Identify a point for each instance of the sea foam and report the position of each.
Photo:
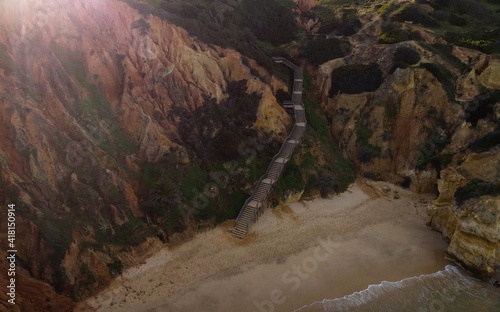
(449, 290)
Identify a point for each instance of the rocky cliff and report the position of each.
(92, 92)
(410, 105)
(113, 120)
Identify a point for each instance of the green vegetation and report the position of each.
(444, 76)
(363, 134)
(366, 151)
(322, 163)
(335, 21)
(482, 106)
(307, 81)
(316, 120)
(469, 23)
(291, 180)
(485, 40)
(476, 188)
(84, 284)
(393, 33)
(318, 166)
(115, 267)
(445, 52)
(155, 3)
(142, 25)
(6, 62)
(388, 8)
(241, 25)
(391, 107)
(412, 12)
(320, 51)
(204, 192)
(55, 234)
(274, 24)
(95, 110)
(486, 142)
(431, 151)
(457, 20)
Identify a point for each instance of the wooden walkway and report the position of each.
(255, 203)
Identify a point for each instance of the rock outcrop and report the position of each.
(473, 225)
(440, 213)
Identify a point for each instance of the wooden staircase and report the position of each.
(254, 204)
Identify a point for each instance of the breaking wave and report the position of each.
(451, 290)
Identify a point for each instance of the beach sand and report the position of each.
(294, 255)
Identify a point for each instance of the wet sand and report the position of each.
(293, 256)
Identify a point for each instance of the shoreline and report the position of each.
(293, 256)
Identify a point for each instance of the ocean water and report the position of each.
(452, 290)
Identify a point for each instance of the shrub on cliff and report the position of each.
(482, 106)
(268, 20)
(346, 23)
(115, 267)
(476, 188)
(485, 40)
(486, 142)
(354, 79)
(326, 184)
(291, 180)
(320, 51)
(443, 75)
(457, 20)
(439, 4)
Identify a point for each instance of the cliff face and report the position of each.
(410, 107)
(410, 124)
(90, 91)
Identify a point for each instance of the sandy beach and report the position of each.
(293, 256)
